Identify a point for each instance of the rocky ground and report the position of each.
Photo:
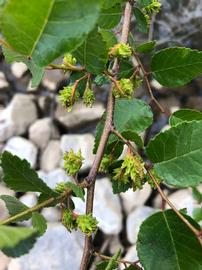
(34, 126)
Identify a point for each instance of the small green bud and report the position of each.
(72, 162)
(87, 224)
(105, 163)
(69, 220)
(126, 89)
(101, 79)
(60, 187)
(88, 97)
(66, 99)
(121, 50)
(154, 7)
(132, 171)
(69, 59)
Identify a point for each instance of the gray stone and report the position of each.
(194, 102)
(29, 199)
(135, 219)
(115, 244)
(80, 114)
(57, 249)
(107, 207)
(18, 69)
(52, 78)
(133, 199)
(54, 177)
(51, 214)
(17, 117)
(85, 142)
(22, 148)
(41, 131)
(4, 261)
(3, 210)
(3, 81)
(51, 157)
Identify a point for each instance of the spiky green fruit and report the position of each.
(87, 224)
(72, 162)
(121, 50)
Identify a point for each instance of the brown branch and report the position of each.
(163, 195)
(65, 68)
(104, 138)
(104, 257)
(145, 74)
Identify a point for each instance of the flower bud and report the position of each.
(88, 97)
(72, 162)
(69, 59)
(69, 220)
(66, 98)
(87, 224)
(121, 50)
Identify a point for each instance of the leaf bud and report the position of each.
(121, 50)
(72, 162)
(87, 224)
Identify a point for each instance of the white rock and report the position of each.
(115, 244)
(51, 214)
(3, 81)
(52, 78)
(134, 220)
(41, 131)
(18, 69)
(4, 261)
(107, 207)
(51, 157)
(133, 199)
(22, 148)
(131, 255)
(17, 117)
(29, 199)
(184, 199)
(80, 114)
(54, 177)
(57, 249)
(85, 142)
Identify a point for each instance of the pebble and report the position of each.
(18, 69)
(3, 81)
(3, 210)
(23, 148)
(57, 249)
(4, 261)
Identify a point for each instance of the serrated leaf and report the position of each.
(197, 195)
(15, 207)
(112, 264)
(144, 3)
(131, 267)
(119, 186)
(126, 121)
(141, 20)
(109, 18)
(39, 223)
(101, 265)
(54, 28)
(166, 243)
(174, 67)
(146, 47)
(126, 69)
(93, 53)
(15, 241)
(177, 154)
(19, 176)
(185, 115)
(110, 3)
(78, 191)
(37, 72)
(108, 37)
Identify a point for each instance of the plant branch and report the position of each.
(33, 209)
(145, 74)
(163, 195)
(118, 260)
(104, 138)
(65, 68)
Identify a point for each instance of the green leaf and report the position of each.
(109, 18)
(133, 137)
(110, 3)
(15, 207)
(177, 154)
(101, 265)
(108, 37)
(166, 243)
(144, 3)
(15, 241)
(126, 69)
(185, 115)
(39, 223)
(197, 195)
(174, 67)
(141, 20)
(197, 214)
(119, 186)
(37, 72)
(78, 191)
(113, 261)
(131, 267)
(146, 47)
(19, 176)
(47, 30)
(92, 53)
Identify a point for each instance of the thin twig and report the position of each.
(163, 195)
(118, 260)
(145, 74)
(32, 209)
(104, 138)
(68, 67)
